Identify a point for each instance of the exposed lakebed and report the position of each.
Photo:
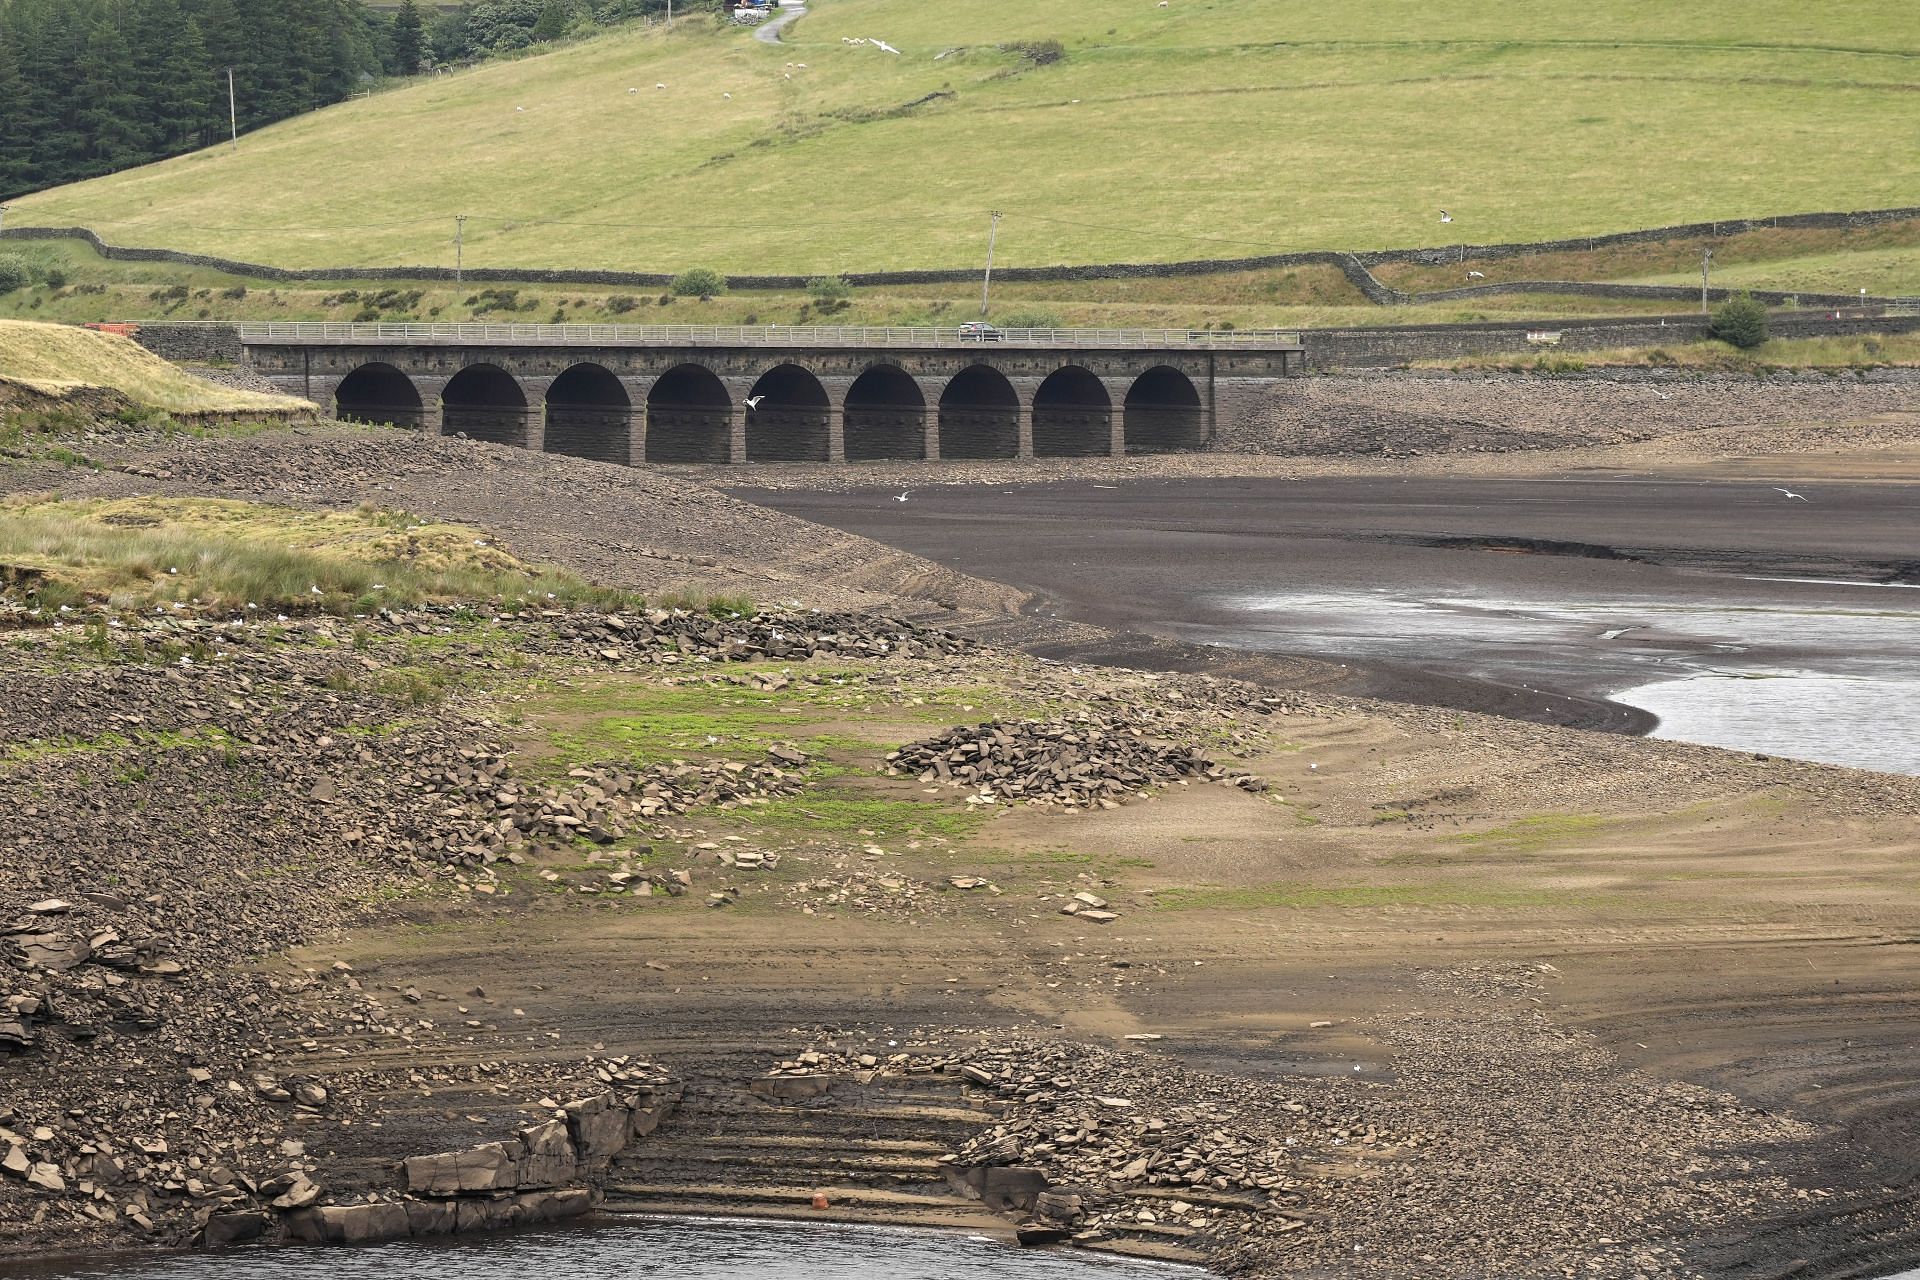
(1737, 616)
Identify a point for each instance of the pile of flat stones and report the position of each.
(492, 815)
(1095, 762)
(679, 635)
(1169, 1163)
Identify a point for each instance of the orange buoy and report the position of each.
(819, 1199)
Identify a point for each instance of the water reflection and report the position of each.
(649, 1248)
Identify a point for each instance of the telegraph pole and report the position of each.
(1706, 261)
(233, 111)
(459, 247)
(986, 281)
(3, 217)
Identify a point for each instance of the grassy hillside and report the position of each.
(134, 552)
(1207, 128)
(56, 359)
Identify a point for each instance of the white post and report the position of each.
(986, 281)
(1706, 261)
(459, 247)
(233, 111)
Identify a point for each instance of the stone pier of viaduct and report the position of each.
(634, 395)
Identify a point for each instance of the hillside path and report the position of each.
(769, 31)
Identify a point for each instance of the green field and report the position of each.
(1208, 128)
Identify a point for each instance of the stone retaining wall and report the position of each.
(544, 1173)
(193, 343)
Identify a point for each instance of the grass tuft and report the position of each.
(251, 559)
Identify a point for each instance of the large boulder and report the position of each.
(553, 1206)
(430, 1217)
(550, 1157)
(599, 1126)
(1003, 1189)
(234, 1228)
(360, 1223)
(493, 1167)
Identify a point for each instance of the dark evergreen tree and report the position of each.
(409, 39)
(90, 86)
(107, 106)
(16, 154)
(552, 23)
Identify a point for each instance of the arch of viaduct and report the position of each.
(637, 405)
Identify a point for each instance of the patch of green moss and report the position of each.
(825, 813)
(1303, 896)
(1533, 834)
(168, 740)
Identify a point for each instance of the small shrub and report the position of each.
(366, 315)
(1039, 52)
(1741, 322)
(829, 289)
(496, 300)
(54, 278)
(621, 303)
(171, 293)
(234, 294)
(665, 299)
(699, 282)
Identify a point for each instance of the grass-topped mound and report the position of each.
(57, 361)
(1104, 131)
(223, 557)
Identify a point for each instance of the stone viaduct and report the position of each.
(633, 394)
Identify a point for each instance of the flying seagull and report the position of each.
(1790, 493)
(1445, 216)
(901, 497)
(753, 402)
(882, 44)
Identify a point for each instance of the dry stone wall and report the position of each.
(1092, 271)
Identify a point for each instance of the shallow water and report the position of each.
(651, 1249)
(1828, 683)
(1867, 723)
